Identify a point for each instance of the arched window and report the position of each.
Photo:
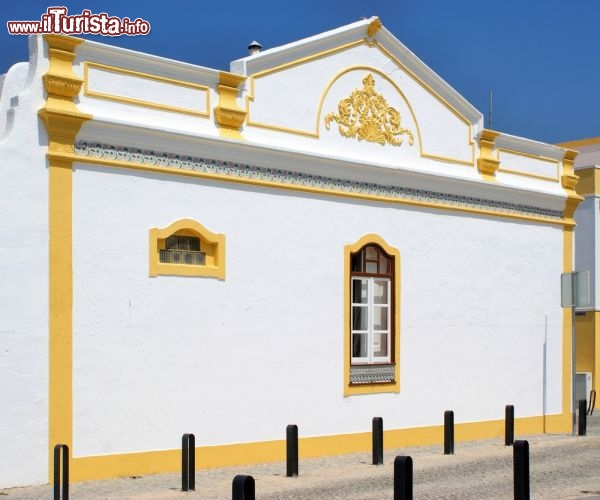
(187, 248)
(372, 317)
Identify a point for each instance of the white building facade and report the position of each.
(324, 234)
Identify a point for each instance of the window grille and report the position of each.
(182, 250)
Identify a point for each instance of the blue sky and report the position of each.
(540, 58)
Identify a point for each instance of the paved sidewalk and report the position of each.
(561, 467)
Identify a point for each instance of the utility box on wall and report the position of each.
(583, 385)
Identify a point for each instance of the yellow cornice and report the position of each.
(228, 115)
(487, 164)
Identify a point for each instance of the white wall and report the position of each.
(263, 348)
(24, 284)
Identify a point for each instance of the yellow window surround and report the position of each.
(211, 244)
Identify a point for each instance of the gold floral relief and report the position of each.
(366, 115)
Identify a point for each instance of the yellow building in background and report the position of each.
(587, 258)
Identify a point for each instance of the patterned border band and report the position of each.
(289, 178)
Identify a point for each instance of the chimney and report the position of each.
(254, 47)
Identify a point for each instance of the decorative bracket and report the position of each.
(228, 115)
(486, 163)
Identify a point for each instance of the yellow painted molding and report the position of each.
(212, 244)
(555, 163)
(140, 102)
(487, 163)
(152, 462)
(228, 115)
(373, 27)
(353, 390)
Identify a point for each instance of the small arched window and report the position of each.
(186, 248)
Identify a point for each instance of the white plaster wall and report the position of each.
(238, 360)
(24, 284)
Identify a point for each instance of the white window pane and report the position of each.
(380, 291)
(359, 345)
(371, 253)
(360, 291)
(359, 318)
(380, 344)
(380, 318)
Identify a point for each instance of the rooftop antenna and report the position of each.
(491, 106)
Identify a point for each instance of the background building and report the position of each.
(587, 255)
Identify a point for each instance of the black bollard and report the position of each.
(581, 429)
(509, 425)
(377, 441)
(65, 472)
(291, 433)
(521, 469)
(449, 432)
(188, 462)
(242, 488)
(403, 478)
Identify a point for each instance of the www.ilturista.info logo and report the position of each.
(56, 21)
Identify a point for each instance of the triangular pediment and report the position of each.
(358, 91)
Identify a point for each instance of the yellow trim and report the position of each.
(589, 181)
(350, 390)
(522, 173)
(315, 133)
(211, 243)
(309, 189)
(141, 102)
(228, 115)
(107, 466)
(63, 121)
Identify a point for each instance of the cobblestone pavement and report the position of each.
(561, 467)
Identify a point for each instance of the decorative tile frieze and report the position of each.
(369, 374)
(289, 178)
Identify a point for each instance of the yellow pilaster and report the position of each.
(63, 121)
(228, 115)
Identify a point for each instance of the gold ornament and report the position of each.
(366, 115)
